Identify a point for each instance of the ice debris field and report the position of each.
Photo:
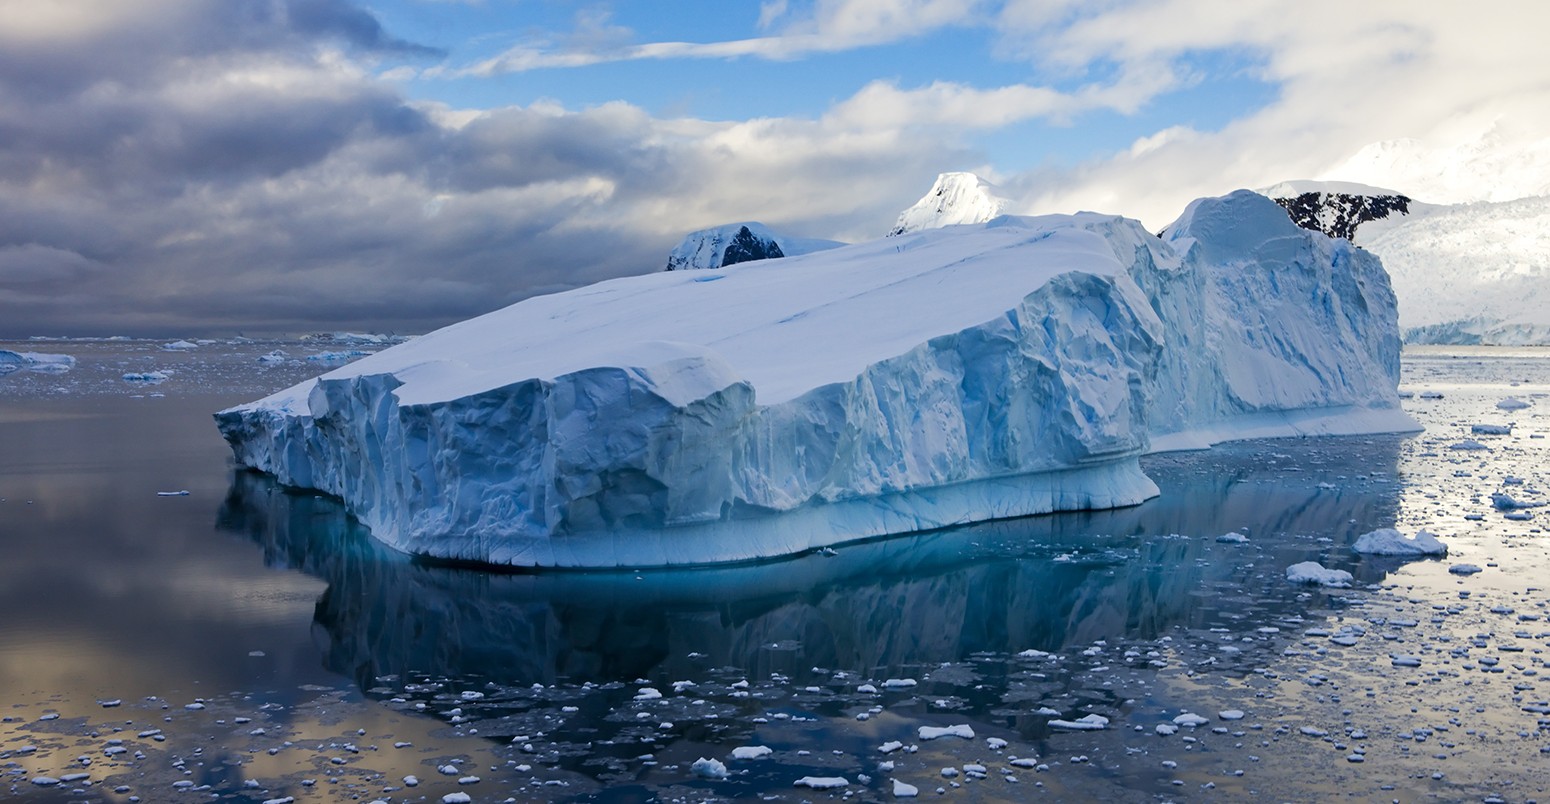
(770, 408)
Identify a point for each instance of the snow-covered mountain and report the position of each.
(1464, 273)
(955, 198)
(733, 243)
(936, 378)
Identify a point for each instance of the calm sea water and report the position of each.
(248, 642)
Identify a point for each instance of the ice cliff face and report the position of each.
(738, 242)
(955, 198)
(1464, 273)
(925, 380)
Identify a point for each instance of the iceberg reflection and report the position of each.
(1042, 582)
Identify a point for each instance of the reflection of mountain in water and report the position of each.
(1041, 582)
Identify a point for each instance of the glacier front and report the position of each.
(929, 379)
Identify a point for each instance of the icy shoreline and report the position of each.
(938, 378)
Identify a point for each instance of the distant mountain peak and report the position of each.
(955, 198)
(732, 243)
(1336, 208)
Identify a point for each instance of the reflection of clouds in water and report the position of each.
(1042, 582)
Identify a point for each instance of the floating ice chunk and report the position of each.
(933, 732)
(751, 752)
(34, 361)
(1519, 516)
(648, 694)
(709, 768)
(822, 782)
(1232, 538)
(890, 747)
(277, 356)
(1468, 444)
(1506, 502)
(1230, 714)
(179, 493)
(1190, 719)
(1404, 660)
(899, 683)
(1491, 429)
(995, 743)
(1513, 403)
(1390, 542)
(1087, 723)
(44, 781)
(1431, 394)
(904, 790)
(1463, 569)
(456, 798)
(1034, 654)
(179, 346)
(1166, 729)
(1312, 572)
(147, 377)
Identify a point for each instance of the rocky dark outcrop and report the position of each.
(1338, 214)
(747, 247)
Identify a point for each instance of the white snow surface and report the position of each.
(954, 199)
(772, 407)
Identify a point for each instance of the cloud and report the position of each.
(826, 26)
(198, 166)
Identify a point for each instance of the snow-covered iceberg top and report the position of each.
(773, 407)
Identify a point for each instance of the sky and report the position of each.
(214, 167)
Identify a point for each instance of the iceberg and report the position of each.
(775, 407)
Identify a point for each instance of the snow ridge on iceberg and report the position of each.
(930, 379)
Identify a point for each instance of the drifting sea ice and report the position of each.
(1390, 542)
(1314, 573)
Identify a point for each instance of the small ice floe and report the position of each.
(751, 752)
(1469, 444)
(1506, 502)
(1430, 395)
(1087, 723)
(1232, 538)
(1166, 729)
(1230, 714)
(277, 356)
(903, 790)
(44, 781)
(890, 747)
(995, 743)
(34, 361)
(899, 683)
(1190, 719)
(179, 346)
(1463, 569)
(1034, 654)
(1404, 660)
(337, 357)
(179, 493)
(1390, 542)
(933, 732)
(648, 694)
(708, 768)
(822, 782)
(147, 377)
(1512, 403)
(1312, 572)
(456, 798)
(1491, 429)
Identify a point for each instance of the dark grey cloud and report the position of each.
(213, 166)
